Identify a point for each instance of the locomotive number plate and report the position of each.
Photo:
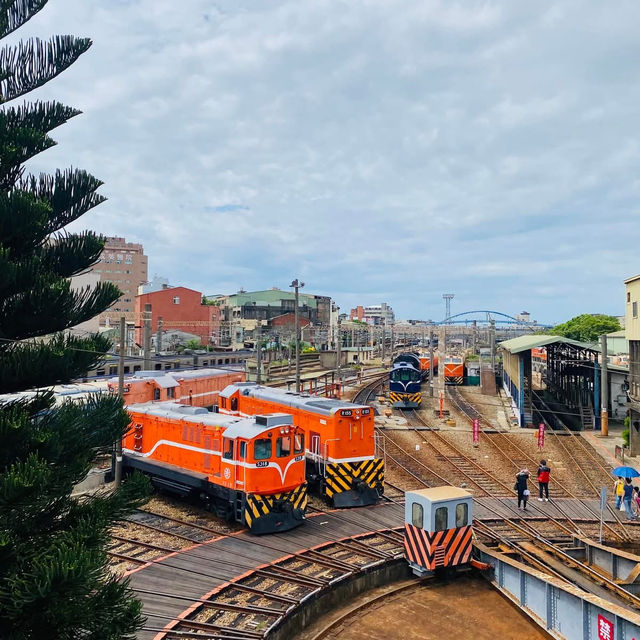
(346, 412)
(298, 458)
(262, 463)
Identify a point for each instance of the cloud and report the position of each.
(379, 150)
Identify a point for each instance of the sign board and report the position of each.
(605, 628)
(476, 431)
(603, 498)
(541, 436)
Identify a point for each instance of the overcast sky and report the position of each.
(379, 150)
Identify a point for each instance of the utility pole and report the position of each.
(384, 340)
(339, 348)
(297, 285)
(393, 340)
(118, 466)
(604, 388)
(492, 344)
(259, 355)
(431, 367)
(159, 336)
(147, 338)
(475, 336)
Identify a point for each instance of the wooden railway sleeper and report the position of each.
(164, 531)
(312, 583)
(183, 522)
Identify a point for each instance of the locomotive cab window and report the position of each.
(156, 394)
(417, 515)
(234, 404)
(298, 443)
(442, 515)
(242, 450)
(462, 514)
(283, 446)
(262, 449)
(228, 449)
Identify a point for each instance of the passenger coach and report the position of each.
(341, 455)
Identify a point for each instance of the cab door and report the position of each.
(241, 458)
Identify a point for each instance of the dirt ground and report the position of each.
(466, 607)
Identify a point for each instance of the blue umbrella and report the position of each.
(625, 472)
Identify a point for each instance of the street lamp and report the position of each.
(297, 285)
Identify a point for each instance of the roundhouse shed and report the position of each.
(566, 392)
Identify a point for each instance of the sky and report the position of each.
(387, 150)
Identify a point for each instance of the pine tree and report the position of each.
(54, 581)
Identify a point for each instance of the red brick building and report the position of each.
(180, 308)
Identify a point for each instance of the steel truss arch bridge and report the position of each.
(485, 316)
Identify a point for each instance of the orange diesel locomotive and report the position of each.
(341, 461)
(251, 470)
(199, 388)
(454, 370)
(425, 363)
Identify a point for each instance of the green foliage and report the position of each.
(625, 437)
(54, 581)
(586, 327)
(193, 344)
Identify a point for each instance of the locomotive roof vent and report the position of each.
(274, 419)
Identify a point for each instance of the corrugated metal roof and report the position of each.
(524, 343)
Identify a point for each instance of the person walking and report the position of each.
(618, 491)
(627, 498)
(636, 502)
(543, 480)
(522, 489)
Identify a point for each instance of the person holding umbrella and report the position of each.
(627, 498)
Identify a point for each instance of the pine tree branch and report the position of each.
(24, 224)
(23, 134)
(70, 254)
(53, 307)
(71, 193)
(65, 257)
(15, 13)
(34, 62)
(29, 365)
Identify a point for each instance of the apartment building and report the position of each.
(125, 265)
(632, 332)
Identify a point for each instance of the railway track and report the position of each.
(576, 451)
(549, 537)
(145, 536)
(260, 600)
(363, 396)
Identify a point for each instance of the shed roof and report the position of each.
(524, 343)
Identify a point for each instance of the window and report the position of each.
(243, 450)
(176, 300)
(156, 394)
(262, 449)
(628, 296)
(223, 403)
(228, 449)
(283, 446)
(171, 392)
(442, 515)
(298, 443)
(462, 514)
(635, 309)
(417, 515)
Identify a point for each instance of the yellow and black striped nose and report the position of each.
(259, 506)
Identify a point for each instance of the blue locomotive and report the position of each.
(405, 379)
